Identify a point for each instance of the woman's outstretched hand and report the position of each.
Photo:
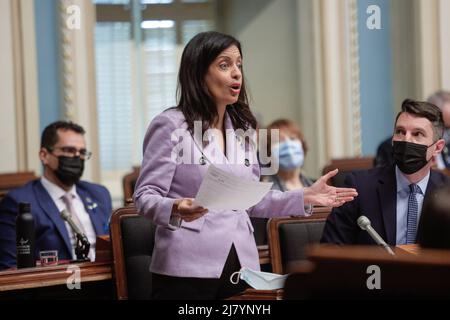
(321, 194)
(186, 210)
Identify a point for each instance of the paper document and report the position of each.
(221, 190)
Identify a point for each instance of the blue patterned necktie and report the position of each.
(413, 210)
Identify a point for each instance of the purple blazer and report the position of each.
(199, 248)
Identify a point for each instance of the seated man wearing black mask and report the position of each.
(63, 153)
(392, 196)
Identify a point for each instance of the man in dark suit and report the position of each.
(440, 99)
(63, 153)
(392, 196)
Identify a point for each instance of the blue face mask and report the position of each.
(259, 280)
(289, 154)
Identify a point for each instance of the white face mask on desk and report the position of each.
(259, 280)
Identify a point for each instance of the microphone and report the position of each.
(364, 224)
(82, 244)
(66, 217)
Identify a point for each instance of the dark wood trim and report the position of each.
(37, 277)
(319, 214)
(349, 164)
(179, 12)
(175, 11)
(10, 181)
(264, 254)
(112, 13)
(119, 273)
(127, 184)
(16, 179)
(253, 294)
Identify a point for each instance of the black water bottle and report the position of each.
(25, 237)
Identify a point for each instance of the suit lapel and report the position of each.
(235, 159)
(91, 208)
(239, 156)
(387, 197)
(50, 209)
(208, 148)
(213, 152)
(433, 184)
(231, 140)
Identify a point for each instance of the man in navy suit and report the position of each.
(63, 153)
(440, 99)
(392, 196)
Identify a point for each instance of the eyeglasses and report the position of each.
(72, 152)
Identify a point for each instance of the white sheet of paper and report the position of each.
(221, 190)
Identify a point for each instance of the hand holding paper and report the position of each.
(221, 190)
(187, 210)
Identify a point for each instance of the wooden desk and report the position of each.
(51, 282)
(264, 254)
(342, 272)
(252, 294)
(410, 248)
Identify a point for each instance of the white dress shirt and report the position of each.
(56, 193)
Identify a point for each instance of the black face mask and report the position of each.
(70, 170)
(410, 157)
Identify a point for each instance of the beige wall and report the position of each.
(19, 123)
(286, 69)
(403, 42)
(444, 11)
(420, 48)
(79, 87)
(8, 139)
(295, 58)
(267, 31)
(283, 83)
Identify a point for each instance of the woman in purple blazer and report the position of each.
(194, 259)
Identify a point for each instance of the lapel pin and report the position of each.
(92, 206)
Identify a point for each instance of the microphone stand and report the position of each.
(82, 248)
(387, 248)
(82, 245)
(364, 223)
